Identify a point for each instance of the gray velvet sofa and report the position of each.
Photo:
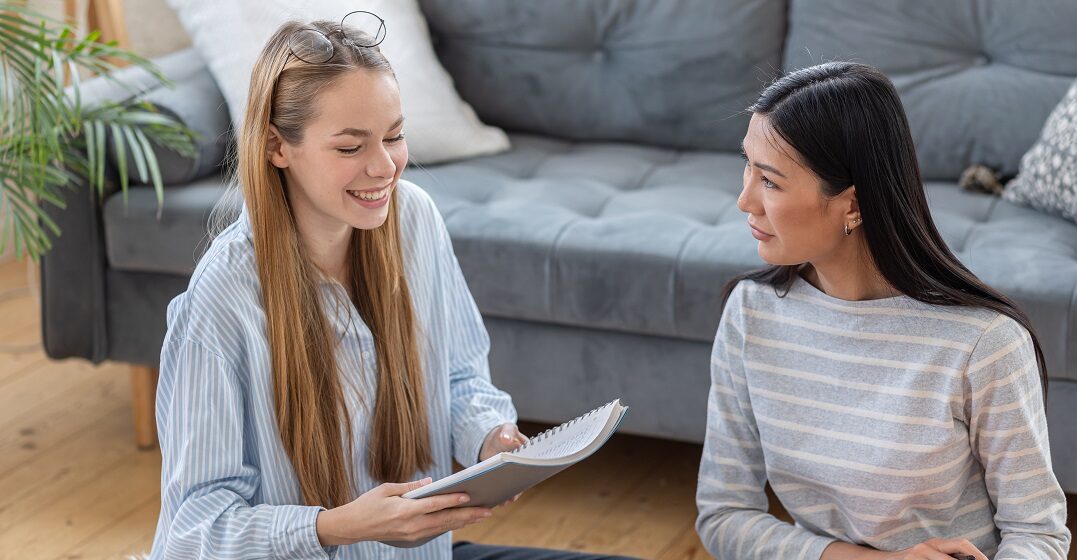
(597, 247)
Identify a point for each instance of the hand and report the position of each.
(382, 515)
(937, 549)
(934, 549)
(505, 437)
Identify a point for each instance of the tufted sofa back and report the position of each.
(674, 73)
(978, 77)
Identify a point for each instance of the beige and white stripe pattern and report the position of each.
(883, 423)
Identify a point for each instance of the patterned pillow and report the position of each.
(1048, 177)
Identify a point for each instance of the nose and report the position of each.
(381, 164)
(747, 202)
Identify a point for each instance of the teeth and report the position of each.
(371, 195)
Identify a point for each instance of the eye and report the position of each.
(767, 183)
(395, 139)
(348, 150)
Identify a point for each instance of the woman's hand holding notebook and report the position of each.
(499, 478)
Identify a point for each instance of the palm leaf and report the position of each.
(50, 141)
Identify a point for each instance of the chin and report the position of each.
(773, 256)
(370, 222)
(359, 217)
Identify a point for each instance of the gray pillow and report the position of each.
(197, 102)
(1048, 177)
(675, 73)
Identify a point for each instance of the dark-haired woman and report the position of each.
(894, 402)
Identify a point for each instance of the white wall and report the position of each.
(152, 26)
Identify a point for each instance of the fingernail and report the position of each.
(464, 499)
(486, 514)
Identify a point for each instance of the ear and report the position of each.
(275, 148)
(851, 213)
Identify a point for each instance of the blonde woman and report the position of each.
(327, 350)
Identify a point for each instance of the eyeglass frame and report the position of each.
(347, 41)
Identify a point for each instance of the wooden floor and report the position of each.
(72, 484)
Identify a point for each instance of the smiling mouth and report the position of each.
(371, 195)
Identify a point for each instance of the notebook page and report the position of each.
(568, 438)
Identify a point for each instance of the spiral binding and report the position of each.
(557, 429)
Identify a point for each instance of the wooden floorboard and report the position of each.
(73, 486)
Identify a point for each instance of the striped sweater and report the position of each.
(882, 423)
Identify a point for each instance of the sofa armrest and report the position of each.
(73, 273)
(73, 319)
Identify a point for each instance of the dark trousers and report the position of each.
(470, 551)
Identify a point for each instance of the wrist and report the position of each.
(839, 550)
(330, 529)
(485, 446)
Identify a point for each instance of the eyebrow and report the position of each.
(363, 132)
(762, 166)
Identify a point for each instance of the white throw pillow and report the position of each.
(229, 35)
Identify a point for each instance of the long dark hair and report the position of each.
(848, 125)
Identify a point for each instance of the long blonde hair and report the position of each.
(311, 411)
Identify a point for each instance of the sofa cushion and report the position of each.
(1026, 254)
(138, 239)
(665, 72)
(628, 238)
(610, 236)
(977, 78)
(634, 239)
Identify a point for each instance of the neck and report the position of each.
(325, 240)
(851, 276)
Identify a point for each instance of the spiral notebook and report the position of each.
(504, 475)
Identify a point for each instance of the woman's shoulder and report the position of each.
(222, 292)
(228, 268)
(1001, 334)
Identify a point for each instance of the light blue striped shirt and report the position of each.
(228, 489)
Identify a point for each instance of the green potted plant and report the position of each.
(50, 140)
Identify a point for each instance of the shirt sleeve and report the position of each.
(206, 484)
(1008, 434)
(733, 521)
(477, 406)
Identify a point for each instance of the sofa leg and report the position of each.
(143, 395)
